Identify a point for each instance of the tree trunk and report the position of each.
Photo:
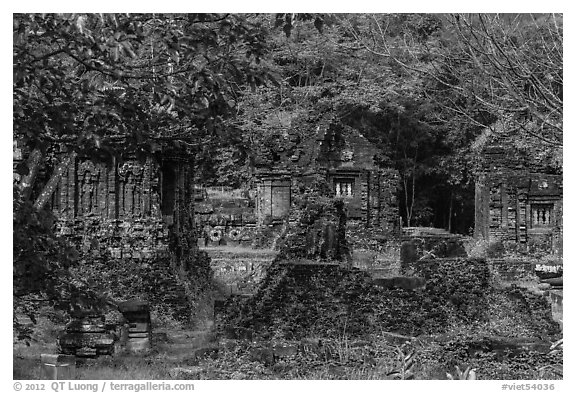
(27, 182)
(405, 181)
(413, 184)
(50, 187)
(450, 211)
(413, 191)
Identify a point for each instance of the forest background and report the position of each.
(427, 89)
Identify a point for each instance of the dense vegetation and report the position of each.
(225, 86)
(295, 301)
(421, 87)
(101, 85)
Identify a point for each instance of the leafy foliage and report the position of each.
(420, 87)
(141, 78)
(41, 256)
(319, 225)
(398, 109)
(114, 85)
(299, 301)
(470, 351)
(41, 269)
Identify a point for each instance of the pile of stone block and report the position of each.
(58, 366)
(138, 327)
(88, 337)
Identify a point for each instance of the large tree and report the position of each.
(465, 74)
(484, 67)
(101, 85)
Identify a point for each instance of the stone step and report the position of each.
(138, 335)
(81, 340)
(78, 327)
(139, 327)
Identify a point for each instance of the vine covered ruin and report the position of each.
(288, 196)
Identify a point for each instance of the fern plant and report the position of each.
(469, 374)
(556, 347)
(404, 365)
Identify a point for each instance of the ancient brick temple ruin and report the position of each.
(127, 209)
(132, 220)
(518, 198)
(338, 154)
(346, 159)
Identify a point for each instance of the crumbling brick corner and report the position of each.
(518, 202)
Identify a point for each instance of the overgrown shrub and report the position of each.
(480, 248)
(534, 310)
(469, 349)
(125, 279)
(330, 301)
(41, 263)
(319, 226)
(464, 283)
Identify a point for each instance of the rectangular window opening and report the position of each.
(344, 187)
(542, 215)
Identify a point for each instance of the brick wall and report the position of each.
(125, 210)
(132, 223)
(518, 201)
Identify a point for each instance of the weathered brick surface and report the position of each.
(319, 147)
(239, 271)
(225, 216)
(509, 270)
(138, 214)
(124, 211)
(88, 336)
(340, 155)
(518, 200)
